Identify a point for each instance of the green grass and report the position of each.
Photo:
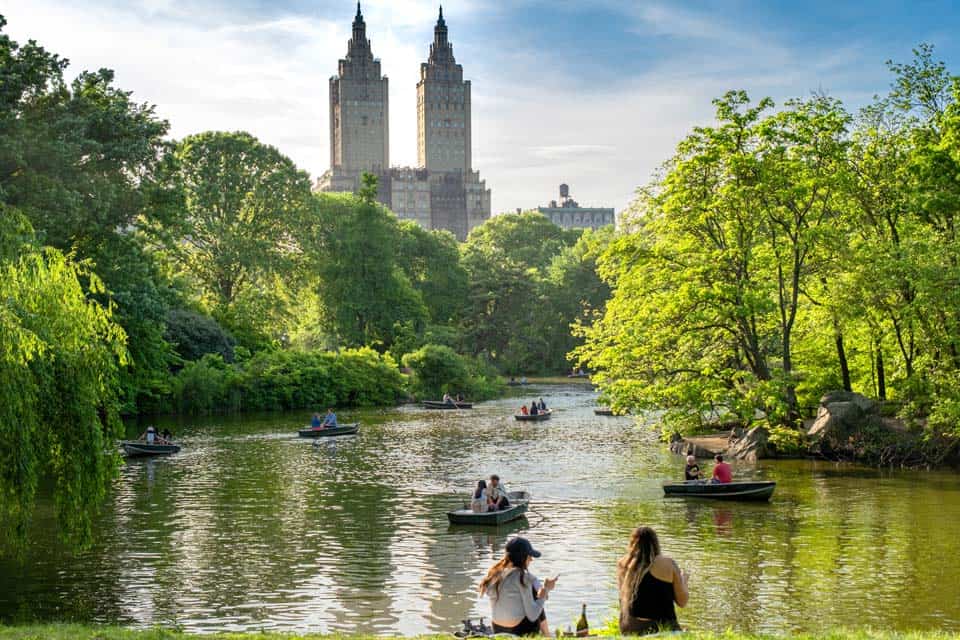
(90, 632)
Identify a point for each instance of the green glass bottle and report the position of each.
(582, 627)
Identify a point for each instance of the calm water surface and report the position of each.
(251, 528)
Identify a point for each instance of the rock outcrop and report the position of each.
(751, 446)
(841, 415)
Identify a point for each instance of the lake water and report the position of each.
(250, 527)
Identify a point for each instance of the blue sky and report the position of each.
(595, 94)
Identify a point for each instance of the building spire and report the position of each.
(359, 46)
(440, 21)
(359, 15)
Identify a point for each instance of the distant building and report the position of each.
(443, 192)
(570, 215)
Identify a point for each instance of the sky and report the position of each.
(592, 93)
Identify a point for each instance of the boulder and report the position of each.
(751, 446)
(841, 415)
(863, 402)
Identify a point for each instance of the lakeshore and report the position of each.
(85, 632)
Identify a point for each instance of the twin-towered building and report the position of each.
(443, 192)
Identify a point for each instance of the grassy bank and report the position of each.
(87, 632)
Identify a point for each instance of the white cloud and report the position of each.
(210, 67)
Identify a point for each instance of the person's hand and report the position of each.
(685, 576)
(550, 583)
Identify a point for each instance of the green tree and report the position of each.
(243, 202)
(431, 261)
(59, 378)
(506, 259)
(350, 244)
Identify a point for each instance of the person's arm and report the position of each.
(680, 592)
(533, 607)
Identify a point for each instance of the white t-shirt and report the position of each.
(515, 601)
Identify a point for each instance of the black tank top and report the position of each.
(654, 600)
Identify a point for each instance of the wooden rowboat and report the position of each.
(519, 502)
(340, 430)
(543, 415)
(603, 411)
(753, 491)
(440, 404)
(141, 448)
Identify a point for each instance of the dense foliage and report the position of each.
(278, 380)
(786, 252)
(60, 354)
(438, 369)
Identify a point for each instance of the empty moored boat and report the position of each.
(752, 491)
(519, 501)
(603, 411)
(339, 430)
(440, 404)
(142, 448)
(543, 415)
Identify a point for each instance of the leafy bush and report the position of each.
(786, 440)
(438, 369)
(194, 335)
(279, 380)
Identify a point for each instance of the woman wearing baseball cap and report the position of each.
(516, 596)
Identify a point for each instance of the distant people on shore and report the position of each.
(479, 503)
(650, 583)
(692, 470)
(497, 499)
(517, 597)
(722, 471)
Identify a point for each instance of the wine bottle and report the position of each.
(582, 627)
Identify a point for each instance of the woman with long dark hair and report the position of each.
(516, 596)
(650, 584)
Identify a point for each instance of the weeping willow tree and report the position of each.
(60, 354)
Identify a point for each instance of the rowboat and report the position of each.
(440, 404)
(603, 411)
(579, 374)
(340, 430)
(543, 415)
(754, 491)
(141, 448)
(519, 501)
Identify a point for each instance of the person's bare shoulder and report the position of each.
(663, 568)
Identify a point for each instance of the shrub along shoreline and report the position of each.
(94, 632)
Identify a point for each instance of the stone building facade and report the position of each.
(443, 192)
(570, 215)
(359, 108)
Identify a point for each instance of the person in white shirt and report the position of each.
(479, 502)
(496, 494)
(516, 602)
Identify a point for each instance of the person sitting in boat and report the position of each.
(534, 409)
(722, 471)
(512, 380)
(542, 406)
(150, 435)
(479, 502)
(523, 379)
(459, 397)
(692, 470)
(166, 437)
(316, 422)
(448, 399)
(330, 420)
(524, 411)
(650, 583)
(517, 597)
(496, 494)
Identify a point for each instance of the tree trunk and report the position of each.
(881, 376)
(842, 357)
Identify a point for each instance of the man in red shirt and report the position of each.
(722, 472)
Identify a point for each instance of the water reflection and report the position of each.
(252, 528)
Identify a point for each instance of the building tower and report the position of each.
(443, 109)
(359, 108)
